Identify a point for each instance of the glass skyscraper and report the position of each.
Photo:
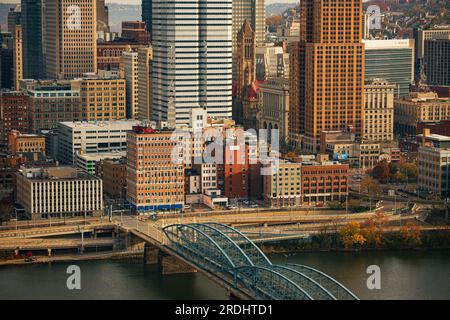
(391, 60)
(192, 59)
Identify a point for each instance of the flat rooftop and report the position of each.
(55, 173)
(102, 156)
(435, 137)
(99, 124)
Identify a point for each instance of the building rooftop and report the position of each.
(102, 156)
(435, 137)
(98, 124)
(54, 173)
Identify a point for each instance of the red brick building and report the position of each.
(235, 171)
(14, 107)
(324, 182)
(109, 54)
(136, 31)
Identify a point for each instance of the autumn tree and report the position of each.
(273, 20)
(370, 186)
(411, 235)
(351, 235)
(410, 170)
(373, 231)
(381, 171)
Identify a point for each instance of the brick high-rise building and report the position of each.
(154, 180)
(14, 108)
(70, 38)
(102, 98)
(331, 63)
(295, 115)
(135, 30)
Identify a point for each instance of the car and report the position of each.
(232, 208)
(253, 205)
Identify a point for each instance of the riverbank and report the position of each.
(114, 255)
(387, 241)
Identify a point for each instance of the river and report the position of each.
(404, 275)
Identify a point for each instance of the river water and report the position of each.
(404, 275)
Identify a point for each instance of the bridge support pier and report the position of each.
(170, 265)
(151, 254)
(49, 252)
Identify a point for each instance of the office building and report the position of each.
(154, 180)
(434, 165)
(109, 53)
(135, 31)
(70, 38)
(331, 59)
(130, 67)
(56, 192)
(274, 108)
(92, 162)
(422, 35)
(102, 97)
(324, 181)
(419, 107)
(14, 113)
(282, 187)
(102, 16)
(192, 61)
(6, 61)
(437, 61)
(50, 103)
(296, 114)
(114, 176)
(24, 143)
(379, 111)
(15, 29)
(91, 138)
(32, 39)
(145, 83)
(146, 14)
(391, 60)
(272, 61)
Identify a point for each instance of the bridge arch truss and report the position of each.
(230, 255)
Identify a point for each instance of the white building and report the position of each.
(130, 65)
(434, 166)
(58, 191)
(92, 137)
(192, 59)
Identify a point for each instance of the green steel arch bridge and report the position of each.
(228, 254)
